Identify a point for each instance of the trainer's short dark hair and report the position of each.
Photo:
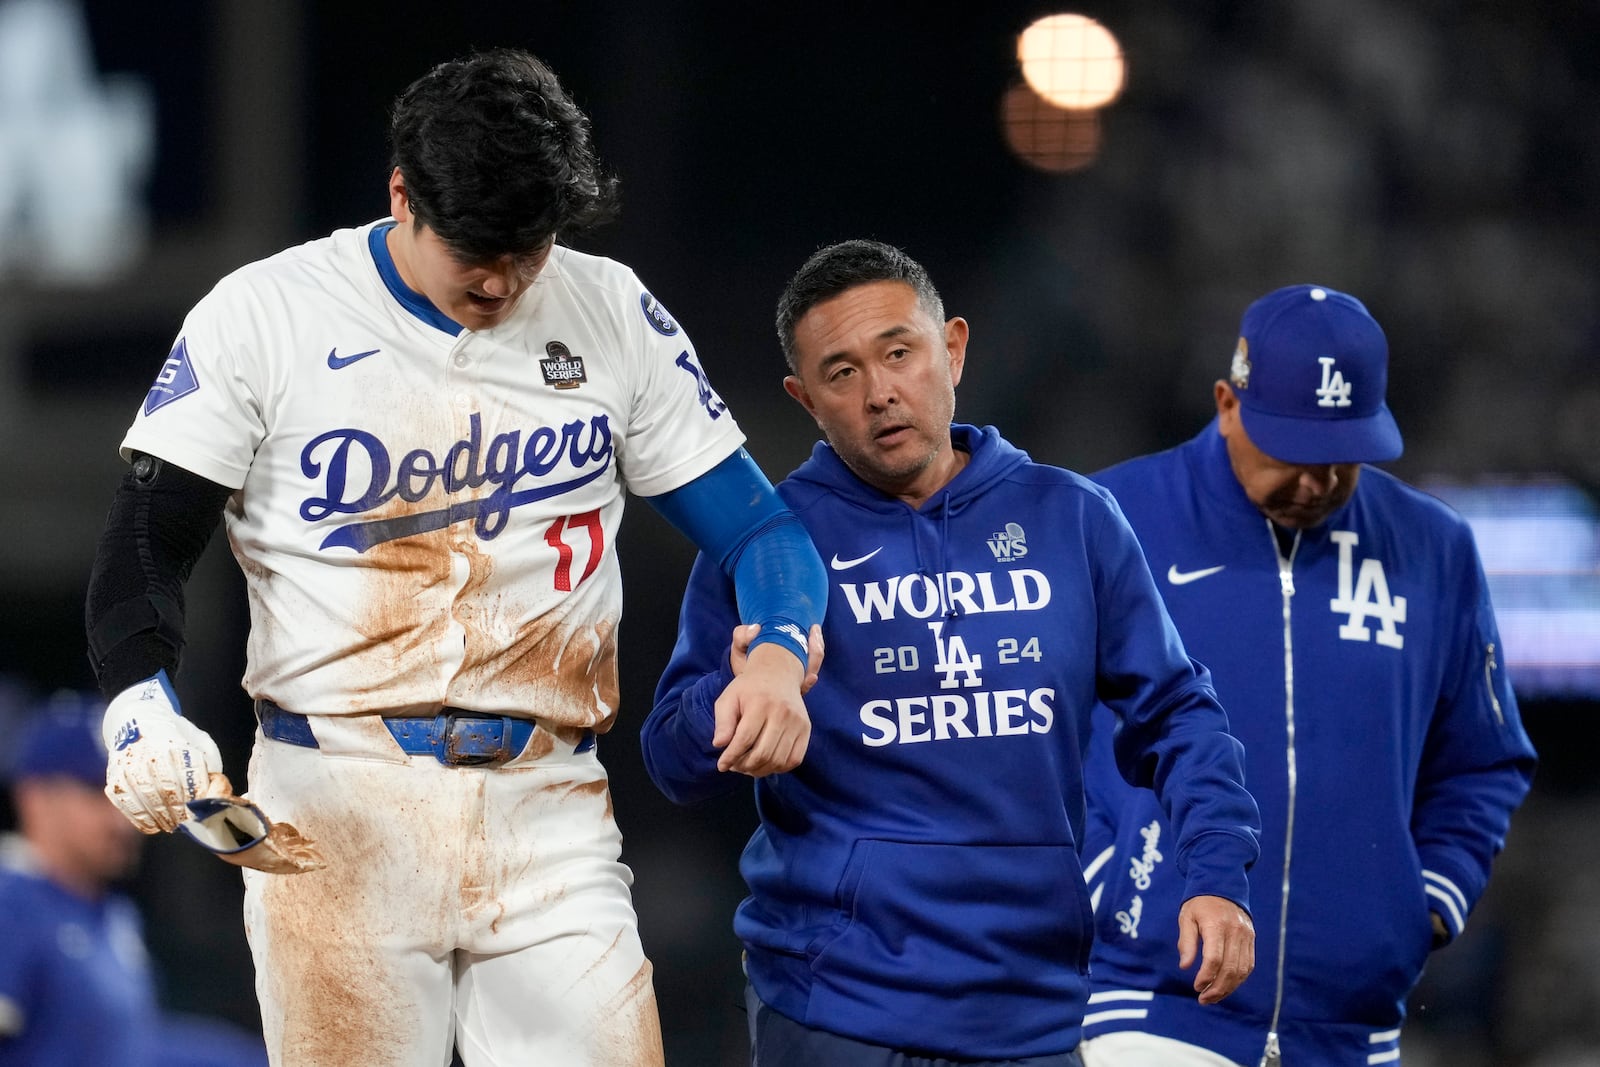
(838, 267)
(497, 158)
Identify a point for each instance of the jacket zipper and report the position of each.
(1270, 1057)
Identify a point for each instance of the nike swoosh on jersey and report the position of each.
(335, 360)
(1177, 577)
(845, 564)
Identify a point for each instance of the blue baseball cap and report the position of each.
(1310, 372)
(61, 737)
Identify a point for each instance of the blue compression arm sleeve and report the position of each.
(736, 518)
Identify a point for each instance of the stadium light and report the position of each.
(1071, 61)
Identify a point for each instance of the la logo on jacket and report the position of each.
(1365, 595)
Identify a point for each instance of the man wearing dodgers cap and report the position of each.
(75, 981)
(76, 985)
(1298, 416)
(1346, 621)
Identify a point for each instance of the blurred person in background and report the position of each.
(76, 984)
(1345, 618)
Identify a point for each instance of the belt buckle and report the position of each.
(471, 741)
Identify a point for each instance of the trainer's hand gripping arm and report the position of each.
(733, 514)
(739, 653)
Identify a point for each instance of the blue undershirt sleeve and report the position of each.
(736, 518)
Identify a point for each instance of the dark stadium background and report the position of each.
(1438, 158)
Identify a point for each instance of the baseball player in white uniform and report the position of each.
(420, 433)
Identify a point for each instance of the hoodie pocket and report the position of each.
(955, 918)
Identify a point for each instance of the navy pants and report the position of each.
(778, 1041)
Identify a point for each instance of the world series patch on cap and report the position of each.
(1310, 372)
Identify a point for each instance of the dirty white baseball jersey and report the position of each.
(429, 517)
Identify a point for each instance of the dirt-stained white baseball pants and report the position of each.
(460, 905)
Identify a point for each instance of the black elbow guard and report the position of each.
(151, 614)
(160, 522)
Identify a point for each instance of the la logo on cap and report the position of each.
(1334, 392)
(1310, 371)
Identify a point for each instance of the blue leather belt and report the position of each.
(454, 737)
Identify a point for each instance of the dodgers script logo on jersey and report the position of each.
(358, 475)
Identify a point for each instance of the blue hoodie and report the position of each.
(1362, 670)
(915, 882)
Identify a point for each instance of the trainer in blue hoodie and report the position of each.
(1346, 621)
(916, 895)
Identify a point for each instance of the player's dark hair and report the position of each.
(496, 156)
(845, 265)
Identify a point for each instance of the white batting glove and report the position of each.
(159, 761)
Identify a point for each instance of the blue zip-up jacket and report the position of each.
(1361, 667)
(75, 980)
(915, 882)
